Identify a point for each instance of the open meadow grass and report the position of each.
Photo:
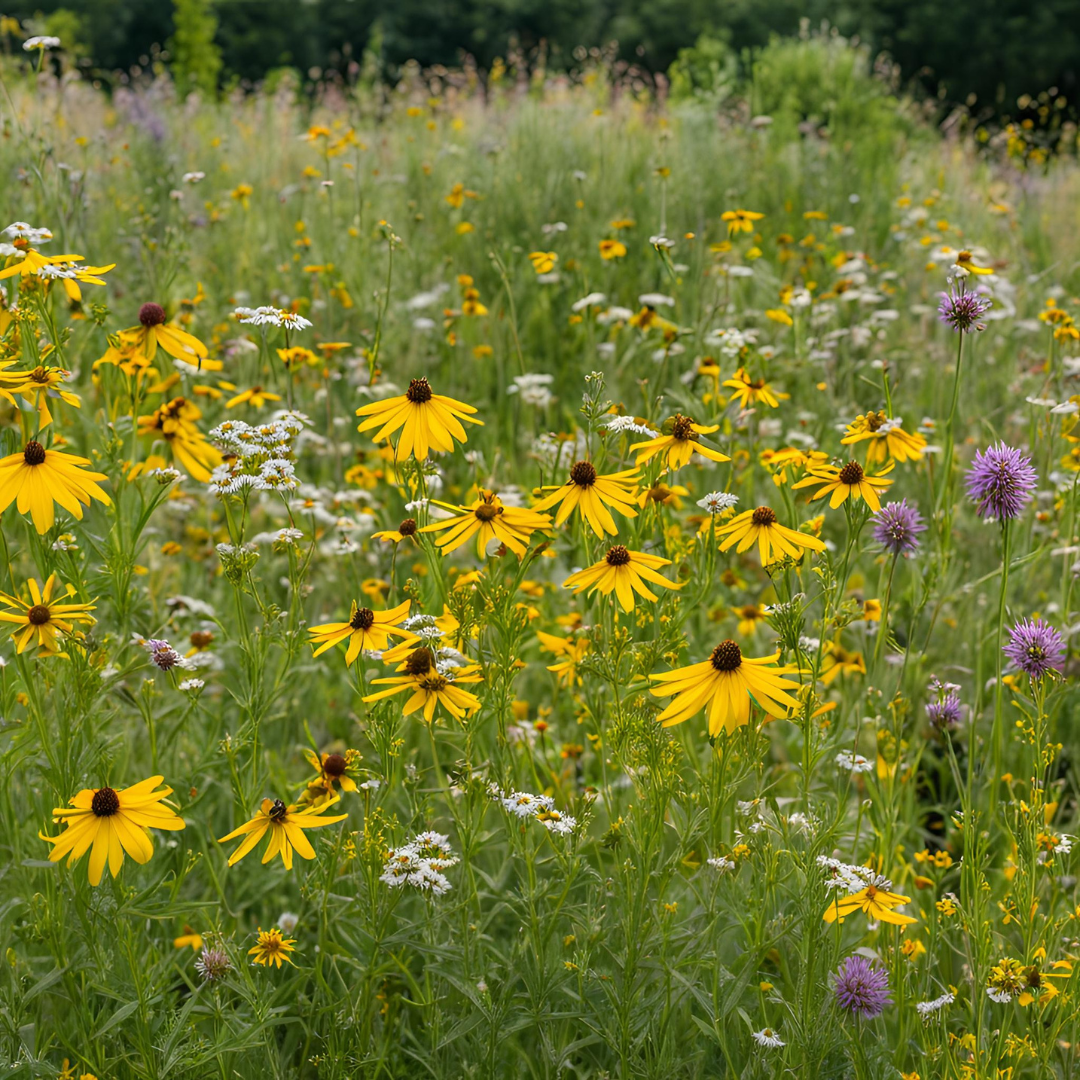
(523, 581)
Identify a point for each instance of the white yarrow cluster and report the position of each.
(420, 864)
(523, 804)
(851, 879)
(854, 762)
(928, 1008)
(258, 458)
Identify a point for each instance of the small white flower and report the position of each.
(41, 41)
(287, 922)
(768, 1037)
(928, 1008)
(594, 299)
(854, 762)
(716, 502)
(193, 177)
(627, 424)
(190, 686)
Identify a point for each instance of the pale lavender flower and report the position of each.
(1000, 482)
(213, 964)
(962, 310)
(897, 527)
(860, 988)
(1035, 647)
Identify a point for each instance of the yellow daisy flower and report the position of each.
(488, 519)
(678, 441)
(543, 261)
(773, 540)
(571, 650)
(108, 823)
(366, 629)
(751, 391)
(35, 478)
(426, 420)
(43, 383)
(256, 397)
(174, 421)
(331, 772)
(849, 481)
(875, 901)
(406, 530)
(887, 438)
(154, 331)
(749, 615)
(42, 618)
(625, 572)
(286, 825)
(725, 685)
(271, 948)
(740, 220)
(591, 494)
(431, 687)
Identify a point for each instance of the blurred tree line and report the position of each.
(985, 53)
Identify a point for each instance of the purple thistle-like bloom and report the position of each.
(213, 964)
(962, 310)
(946, 710)
(1035, 647)
(1000, 482)
(860, 988)
(897, 527)
(163, 655)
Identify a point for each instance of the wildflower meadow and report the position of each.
(517, 577)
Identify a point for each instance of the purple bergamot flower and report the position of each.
(1000, 482)
(897, 527)
(860, 988)
(962, 310)
(946, 710)
(1035, 647)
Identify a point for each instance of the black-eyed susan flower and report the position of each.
(886, 437)
(837, 661)
(43, 618)
(848, 481)
(426, 420)
(35, 478)
(778, 462)
(189, 939)
(257, 397)
(286, 825)
(175, 423)
(876, 901)
(749, 615)
(773, 540)
(42, 383)
(625, 572)
(590, 494)
(612, 249)
(725, 685)
(748, 392)
(738, 221)
(153, 331)
(489, 519)
(108, 823)
(407, 530)
(570, 651)
(331, 772)
(366, 629)
(678, 441)
(543, 261)
(431, 683)
(272, 948)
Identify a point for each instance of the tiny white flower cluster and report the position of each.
(41, 41)
(854, 762)
(721, 863)
(733, 341)
(1002, 997)
(268, 315)
(627, 425)
(258, 457)
(850, 878)
(20, 230)
(524, 804)
(928, 1008)
(420, 864)
(534, 389)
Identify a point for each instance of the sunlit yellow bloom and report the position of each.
(965, 260)
(725, 685)
(572, 651)
(625, 572)
(35, 478)
(425, 419)
(790, 457)
(406, 530)
(749, 615)
(188, 939)
(256, 397)
(108, 823)
(876, 902)
(366, 629)
(488, 519)
(458, 194)
(663, 495)
(331, 772)
(42, 383)
(153, 331)
(678, 441)
(430, 687)
(847, 482)
(837, 661)
(543, 261)
(271, 948)
(286, 825)
(740, 220)
(1037, 982)
(42, 618)
(53, 267)
(590, 494)
(750, 391)
(887, 438)
(612, 249)
(174, 422)
(296, 356)
(773, 540)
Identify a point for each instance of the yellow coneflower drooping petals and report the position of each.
(724, 686)
(427, 421)
(366, 629)
(286, 825)
(850, 481)
(488, 519)
(591, 494)
(36, 478)
(774, 541)
(431, 687)
(624, 572)
(42, 618)
(678, 443)
(108, 823)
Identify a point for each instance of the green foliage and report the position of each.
(196, 59)
(708, 71)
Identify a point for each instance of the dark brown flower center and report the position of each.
(39, 374)
(407, 527)
(583, 474)
(763, 515)
(434, 682)
(105, 802)
(34, 453)
(727, 656)
(38, 615)
(151, 314)
(617, 556)
(682, 427)
(419, 662)
(362, 619)
(201, 638)
(334, 765)
(419, 391)
(851, 473)
(874, 420)
(486, 512)
(278, 810)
